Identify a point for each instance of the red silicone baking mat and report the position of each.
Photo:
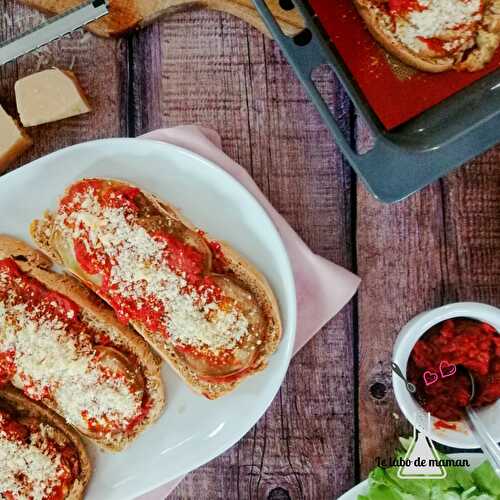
(395, 93)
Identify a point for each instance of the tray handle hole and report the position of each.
(287, 4)
(303, 38)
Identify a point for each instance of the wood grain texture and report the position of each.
(220, 73)
(439, 246)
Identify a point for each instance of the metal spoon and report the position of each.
(481, 433)
(409, 386)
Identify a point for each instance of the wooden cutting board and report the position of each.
(127, 15)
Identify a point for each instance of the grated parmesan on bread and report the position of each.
(91, 384)
(435, 35)
(214, 333)
(30, 459)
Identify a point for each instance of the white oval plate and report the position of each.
(192, 430)
(475, 459)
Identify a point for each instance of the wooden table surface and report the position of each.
(336, 410)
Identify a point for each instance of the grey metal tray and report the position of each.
(414, 154)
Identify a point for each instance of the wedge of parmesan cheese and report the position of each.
(13, 140)
(49, 96)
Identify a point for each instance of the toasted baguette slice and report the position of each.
(33, 415)
(465, 35)
(178, 339)
(119, 349)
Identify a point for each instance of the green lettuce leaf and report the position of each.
(459, 484)
(486, 479)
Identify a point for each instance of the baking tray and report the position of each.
(411, 156)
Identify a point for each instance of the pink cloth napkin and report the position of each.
(323, 288)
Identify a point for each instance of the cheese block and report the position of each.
(49, 96)
(13, 140)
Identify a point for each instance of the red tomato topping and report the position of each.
(121, 197)
(146, 407)
(182, 258)
(7, 366)
(149, 311)
(78, 189)
(32, 292)
(87, 261)
(62, 306)
(402, 7)
(14, 430)
(10, 266)
(435, 44)
(94, 426)
(219, 262)
(100, 338)
(440, 424)
(70, 464)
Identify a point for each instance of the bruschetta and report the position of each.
(435, 35)
(206, 310)
(64, 347)
(42, 458)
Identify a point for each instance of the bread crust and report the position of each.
(14, 399)
(38, 266)
(237, 266)
(393, 46)
(372, 17)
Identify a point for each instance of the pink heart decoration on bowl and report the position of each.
(447, 369)
(430, 377)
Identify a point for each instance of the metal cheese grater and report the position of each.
(56, 27)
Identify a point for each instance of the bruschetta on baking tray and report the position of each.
(435, 35)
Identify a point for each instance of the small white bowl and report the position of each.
(461, 437)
